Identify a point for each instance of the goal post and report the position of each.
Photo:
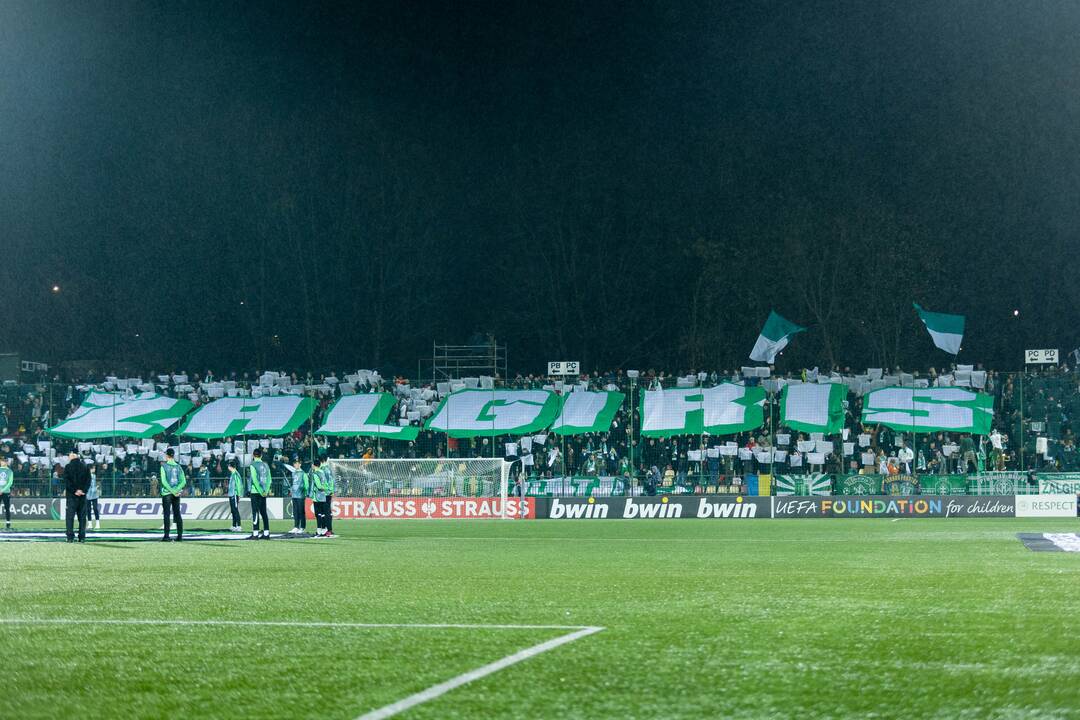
(404, 478)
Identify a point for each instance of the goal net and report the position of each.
(487, 478)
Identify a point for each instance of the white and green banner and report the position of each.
(774, 337)
(947, 331)
(365, 415)
(103, 415)
(813, 407)
(929, 410)
(472, 413)
(808, 484)
(587, 412)
(722, 410)
(279, 415)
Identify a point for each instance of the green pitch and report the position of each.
(787, 618)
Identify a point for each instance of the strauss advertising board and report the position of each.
(428, 508)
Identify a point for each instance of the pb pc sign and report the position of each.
(564, 367)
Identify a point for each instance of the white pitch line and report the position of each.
(442, 688)
(287, 623)
(435, 691)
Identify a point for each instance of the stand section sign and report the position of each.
(667, 507)
(428, 508)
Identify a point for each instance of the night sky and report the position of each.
(324, 185)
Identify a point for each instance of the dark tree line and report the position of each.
(343, 186)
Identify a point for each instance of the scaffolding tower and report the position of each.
(454, 362)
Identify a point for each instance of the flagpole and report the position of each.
(630, 434)
(772, 447)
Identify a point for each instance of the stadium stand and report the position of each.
(1033, 431)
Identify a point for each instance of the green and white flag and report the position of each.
(812, 407)
(365, 415)
(474, 413)
(228, 417)
(722, 410)
(104, 415)
(929, 410)
(586, 412)
(773, 338)
(808, 484)
(945, 330)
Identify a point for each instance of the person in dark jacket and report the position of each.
(76, 484)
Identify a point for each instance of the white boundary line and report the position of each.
(288, 623)
(442, 688)
(435, 691)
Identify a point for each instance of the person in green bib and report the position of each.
(235, 491)
(322, 484)
(299, 487)
(173, 481)
(259, 489)
(7, 479)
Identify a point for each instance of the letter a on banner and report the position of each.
(473, 413)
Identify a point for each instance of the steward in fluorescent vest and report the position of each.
(235, 491)
(322, 498)
(259, 489)
(298, 492)
(173, 481)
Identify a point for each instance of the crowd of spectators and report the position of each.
(1033, 429)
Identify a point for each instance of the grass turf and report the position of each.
(786, 618)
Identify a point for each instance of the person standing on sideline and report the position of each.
(93, 509)
(259, 489)
(324, 496)
(173, 481)
(76, 483)
(318, 497)
(298, 492)
(235, 490)
(7, 479)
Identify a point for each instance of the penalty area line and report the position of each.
(442, 688)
